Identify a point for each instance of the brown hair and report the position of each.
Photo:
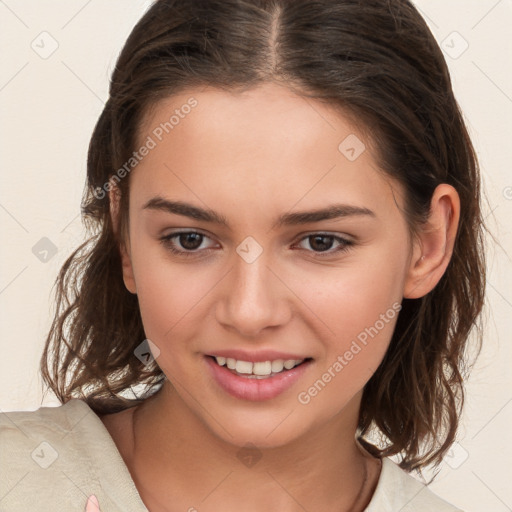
(375, 59)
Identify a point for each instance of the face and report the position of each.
(239, 272)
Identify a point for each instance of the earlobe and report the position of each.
(128, 277)
(434, 243)
(124, 250)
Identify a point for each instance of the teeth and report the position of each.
(243, 367)
(277, 366)
(261, 368)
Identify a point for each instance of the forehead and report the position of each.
(266, 144)
(269, 113)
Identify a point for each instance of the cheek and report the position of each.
(353, 297)
(170, 296)
(361, 320)
(358, 305)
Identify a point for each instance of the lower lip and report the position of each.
(252, 389)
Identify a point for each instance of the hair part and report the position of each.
(376, 61)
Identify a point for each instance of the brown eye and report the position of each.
(322, 243)
(185, 243)
(190, 241)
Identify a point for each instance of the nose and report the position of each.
(253, 298)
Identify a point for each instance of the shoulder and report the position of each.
(54, 457)
(41, 452)
(42, 436)
(398, 490)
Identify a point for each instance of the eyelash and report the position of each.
(169, 245)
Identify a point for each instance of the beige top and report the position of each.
(54, 458)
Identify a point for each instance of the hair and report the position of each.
(375, 60)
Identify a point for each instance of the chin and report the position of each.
(263, 429)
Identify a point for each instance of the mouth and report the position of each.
(256, 380)
(259, 369)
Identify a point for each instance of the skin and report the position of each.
(92, 504)
(253, 156)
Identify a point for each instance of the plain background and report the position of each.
(49, 104)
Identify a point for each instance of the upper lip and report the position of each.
(255, 356)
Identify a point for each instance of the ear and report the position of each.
(433, 246)
(114, 195)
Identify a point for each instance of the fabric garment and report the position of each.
(54, 458)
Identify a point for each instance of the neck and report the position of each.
(176, 459)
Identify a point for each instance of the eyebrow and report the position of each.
(334, 211)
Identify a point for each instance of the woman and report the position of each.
(287, 255)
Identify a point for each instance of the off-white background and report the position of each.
(49, 107)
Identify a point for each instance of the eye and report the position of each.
(191, 242)
(321, 244)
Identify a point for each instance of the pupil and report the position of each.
(190, 236)
(321, 246)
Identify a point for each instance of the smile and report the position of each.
(258, 380)
(258, 370)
